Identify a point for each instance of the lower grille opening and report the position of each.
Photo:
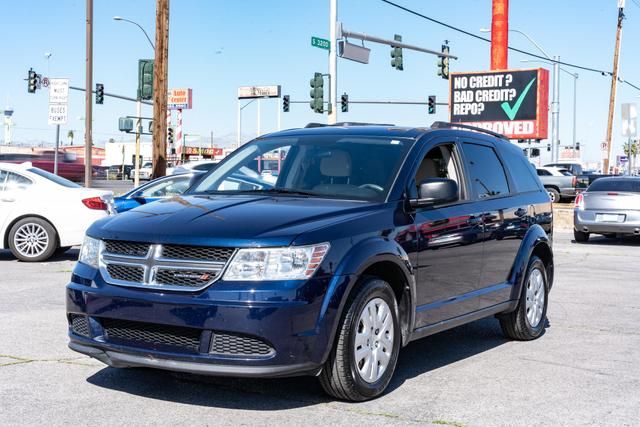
(238, 345)
(79, 324)
(131, 332)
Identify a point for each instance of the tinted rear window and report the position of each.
(628, 185)
(55, 178)
(487, 173)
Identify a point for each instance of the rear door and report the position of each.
(503, 215)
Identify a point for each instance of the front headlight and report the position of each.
(292, 263)
(90, 251)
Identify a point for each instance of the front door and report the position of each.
(450, 241)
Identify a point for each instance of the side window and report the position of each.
(439, 162)
(523, 173)
(16, 182)
(166, 188)
(542, 172)
(486, 171)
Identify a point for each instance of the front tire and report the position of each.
(554, 195)
(365, 354)
(528, 321)
(32, 239)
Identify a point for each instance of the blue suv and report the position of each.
(370, 237)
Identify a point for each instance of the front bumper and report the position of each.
(292, 318)
(586, 221)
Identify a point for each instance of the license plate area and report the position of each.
(606, 217)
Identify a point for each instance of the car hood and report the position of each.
(238, 221)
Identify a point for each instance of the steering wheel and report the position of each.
(372, 187)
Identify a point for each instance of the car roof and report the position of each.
(18, 167)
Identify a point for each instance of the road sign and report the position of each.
(321, 43)
(511, 102)
(58, 101)
(629, 120)
(247, 92)
(179, 99)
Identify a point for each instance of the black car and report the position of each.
(371, 236)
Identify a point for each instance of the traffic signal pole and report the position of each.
(88, 96)
(136, 173)
(332, 117)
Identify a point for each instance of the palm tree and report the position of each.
(70, 136)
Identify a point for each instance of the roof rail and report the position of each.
(448, 125)
(341, 124)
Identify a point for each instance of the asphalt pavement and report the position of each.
(584, 370)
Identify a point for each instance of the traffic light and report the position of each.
(344, 102)
(170, 135)
(548, 147)
(396, 54)
(443, 63)
(577, 146)
(32, 81)
(99, 93)
(285, 103)
(317, 93)
(432, 104)
(145, 78)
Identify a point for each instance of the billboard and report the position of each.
(514, 103)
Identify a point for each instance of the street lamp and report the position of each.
(575, 88)
(120, 18)
(239, 130)
(555, 103)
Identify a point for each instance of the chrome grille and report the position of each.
(151, 333)
(126, 273)
(118, 247)
(79, 324)
(238, 345)
(196, 252)
(166, 267)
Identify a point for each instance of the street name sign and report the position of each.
(321, 43)
(510, 102)
(180, 99)
(248, 92)
(58, 101)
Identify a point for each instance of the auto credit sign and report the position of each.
(514, 103)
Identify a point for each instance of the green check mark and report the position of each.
(512, 111)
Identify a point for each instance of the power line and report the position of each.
(524, 52)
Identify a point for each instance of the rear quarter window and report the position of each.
(625, 185)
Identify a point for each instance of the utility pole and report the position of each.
(160, 89)
(88, 123)
(555, 111)
(332, 118)
(614, 81)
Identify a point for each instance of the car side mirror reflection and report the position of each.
(436, 191)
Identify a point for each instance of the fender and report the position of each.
(535, 236)
(360, 257)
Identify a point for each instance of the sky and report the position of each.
(216, 46)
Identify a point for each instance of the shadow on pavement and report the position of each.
(70, 255)
(416, 359)
(611, 241)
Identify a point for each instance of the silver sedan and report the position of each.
(610, 206)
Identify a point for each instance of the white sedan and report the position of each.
(42, 213)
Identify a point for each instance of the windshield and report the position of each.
(343, 167)
(631, 185)
(55, 178)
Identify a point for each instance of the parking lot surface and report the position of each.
(584, 370)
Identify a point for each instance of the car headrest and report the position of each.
(337, 164)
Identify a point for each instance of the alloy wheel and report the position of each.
(535, 297)
(374, 337)
(31, 240)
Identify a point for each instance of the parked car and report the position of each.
(372, 237)
(120, 172)
(68, 165)
(574, 167)
(199, 165)
(610, 206)
(558, 183)
(160, 188)
(42, 213)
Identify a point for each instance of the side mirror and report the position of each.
(435, 191)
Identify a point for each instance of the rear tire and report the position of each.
(32, 239)
(580, 236)
(365, 353)
(529, 320)
(554, 195)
